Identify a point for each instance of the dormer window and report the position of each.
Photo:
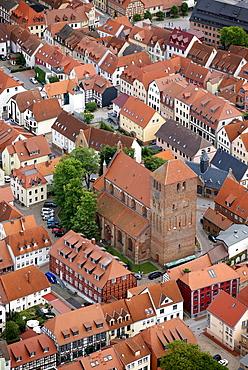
(32, 354)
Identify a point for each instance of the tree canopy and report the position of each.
(148, 15)
(153, 163)
(233, 36)
(137, 18)
(91, 106)
(88, 116)
(11, 332)
(174, 11)
(181, 355)
(184, 8)
(89, 160)
(160, 15)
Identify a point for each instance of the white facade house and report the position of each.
(9, 87)
(235, 240)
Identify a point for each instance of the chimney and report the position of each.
(29, 277)
(93, 241)
(21, 232)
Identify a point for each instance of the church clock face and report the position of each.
(157, 194)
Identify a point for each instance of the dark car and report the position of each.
(52, 225)
(217, 357)
(50, 204)
(212, 238)
(59, 233)
(2, 57)
(113, 114)
(154, 275)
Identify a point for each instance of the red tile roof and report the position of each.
(217, 219)
(28, 176)
(26, 15)
(173, 171)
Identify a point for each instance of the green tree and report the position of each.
(184, 8)
(84, 217)
(160, 15)
(233, 36)
(91, 107)
(153, 163)
(174, 11)
(148, 15)
(68, 169)
(17, 318)
(147, 153)
(181, 355)
(53, 79)
(108, 152)
(137, 18)
(21, 60)
(88, 116)
(11, 332)
(89, 160)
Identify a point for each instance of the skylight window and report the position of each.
(212, 274)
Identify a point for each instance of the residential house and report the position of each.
(199, 288)
(112, 66)
(167, 99)
(227, 62)
(231, 201)
(210, 179)
(182, 142)
(82, 72)
(201, 54)
(112, 27)
(47, 168)
(15, 225)
(227, 162)
(5, 37)
(25, 152)
(119, 102)
(133, 352)
(6, 263)
(29, 247)
(158, 336)
(23, 289)
(99, 90)
(48, 58)
(141, 34)
(26, 16)
(227, 320)
(89, 271)
(116, 44)
(140, 120)
(6, 194)
(78, 333)
(9, 87)
(106, 355)
(28, 185)
(5, 10)
(229, 133)
(214, 222)
(82, 15)
(8, 212)
(195, 74)
(51, 30)
(127, 8)
(37, 352)
(240, 149)
(157, 45)
(235, 240)
(153, 7)
(18, 104)
(5, 357)
(242, 270)
(180, 42)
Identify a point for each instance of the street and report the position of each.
(202, 206)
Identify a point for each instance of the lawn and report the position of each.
(145, 267)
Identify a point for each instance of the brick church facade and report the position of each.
(148, 214)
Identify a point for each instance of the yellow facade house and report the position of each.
(140, 120)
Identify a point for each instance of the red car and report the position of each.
(55, 229)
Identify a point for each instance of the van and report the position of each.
(51, 277)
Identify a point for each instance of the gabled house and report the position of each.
(6, 194)
(6, 263)
(182, 142)
(25, 152)
(82, 72)
(99, 90)
(6, 9)
(227, 134)
(140, 120)
(8, 212)
(200, 287)
(232, 200)
(29, 247)
(26, 16)
(28, 185)
(235, 240)
(157, 47)
(4, 35)
(127, 8)
(225, 61)
(37, 352)
(201, 54)
(214, 221)
(180, 42)
(111, 28)
(89, 270)
(227, 320)
(15, 225)
(108, 355)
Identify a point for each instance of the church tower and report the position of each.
(173, 205)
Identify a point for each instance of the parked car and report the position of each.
(112, 114)
(33, 80)
(52, 225)
(154, 275)
(51, 219)
(59, 233)
(223, 362)
(212, 238)
(57, 228)
(51, 277)
(44, 209)
(217, 357)
(50, 204)
(137, 275)
(110, 106)
(47, 217)
(50, 212)
(2, 57)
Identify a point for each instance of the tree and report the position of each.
(91, 107)
(160, 15)
(88, 116)
(184, 8)
(148, 15)
(84, 217)
(233, 36)
(181, 355)
(17, 318)
(137, 18)
(53, 79)
(174, 11)
(11, 332)
(89, 160)
(108, 152)
(147, 153)
(153, 163)
(68, 169)
(21, 60)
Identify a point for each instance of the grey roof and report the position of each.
(212, 177)
(64, 32)
(217, 253)
(225, 161)
(243, 361)
(8, 4)
(234, 234)
(181, 138)
(221, 14)
(132, 48)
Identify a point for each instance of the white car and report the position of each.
(33, 80)
(7, 178)
(223, 362)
